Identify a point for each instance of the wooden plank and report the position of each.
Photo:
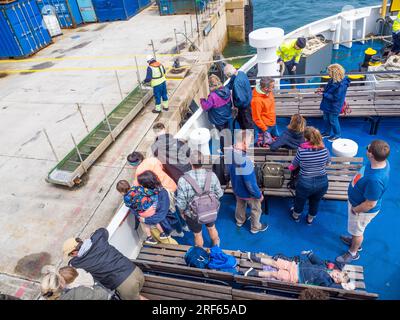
(188, 284)
(182, 270)
(162, 258)
(249, 295)
(171, 294)
(349, 267)
(187, 290)
(151, 296)
(297, 288)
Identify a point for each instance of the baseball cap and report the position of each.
(69, 246)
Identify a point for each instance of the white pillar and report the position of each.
(266, 41)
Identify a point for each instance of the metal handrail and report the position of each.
(326, 74)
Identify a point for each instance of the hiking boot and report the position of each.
(295, 216)
(347, 240)
(347, 258)
(331, 139)
(253, 257)
(150, 240)
(251, 273)
(261, 229)
(163, 236)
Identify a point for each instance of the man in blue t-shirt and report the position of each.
(365, 197)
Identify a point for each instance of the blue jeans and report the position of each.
(311, 189)
(332, 124)
(396, 42)
(159, 92)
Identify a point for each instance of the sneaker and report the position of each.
(261, 229)
(295, 216)
(176, 234)
(309, 219)
(347, 240)
(325, 135)
(241, 224)
(347, 258)
(331, 139)
(251, 273)
(253, 257)
(150, 240)
(163, 236)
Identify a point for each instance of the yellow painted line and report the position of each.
(131, 56)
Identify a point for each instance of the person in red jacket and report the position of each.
(263, 108)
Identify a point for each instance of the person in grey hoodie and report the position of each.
(293, 137)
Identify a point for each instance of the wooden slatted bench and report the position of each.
(171, 288)
(356, 274)
(253, 295)
(167, 258)
(340, 172)
(364, 102)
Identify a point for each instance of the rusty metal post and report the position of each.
(176, 41)
(79, 153)
(154, 50)
(138, 74)
(108, 123)
(51, 145)
(83, 119)
(119, 85)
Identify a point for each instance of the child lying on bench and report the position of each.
(307, 269)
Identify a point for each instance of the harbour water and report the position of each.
(290, 15)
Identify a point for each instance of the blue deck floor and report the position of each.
(381, 249)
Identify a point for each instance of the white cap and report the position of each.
(149, 58)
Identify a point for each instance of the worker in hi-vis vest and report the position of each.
(156, 76)
(289, 54)
(396, 35)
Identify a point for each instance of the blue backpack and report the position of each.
(197, 257)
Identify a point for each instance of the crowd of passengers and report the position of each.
(162, 191)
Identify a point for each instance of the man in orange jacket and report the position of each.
(263, 108)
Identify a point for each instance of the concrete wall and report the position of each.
(235, 20)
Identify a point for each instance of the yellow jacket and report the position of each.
(287, 52)
(396, 24)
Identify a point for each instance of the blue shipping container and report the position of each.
(87, 10)
(112, 10)
(22, 30)
(143, 3)
(67, 11)
(169, 7)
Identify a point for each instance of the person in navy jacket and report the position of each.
(333, 98)
(244, 182)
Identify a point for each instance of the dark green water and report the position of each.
(290, 15)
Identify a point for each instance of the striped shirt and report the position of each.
(312, 162)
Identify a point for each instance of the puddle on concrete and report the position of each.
(3, 75)
(81, 45)
(31, 266)
(42, 66)
(166, 40)
(100, 27)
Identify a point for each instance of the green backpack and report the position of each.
(273, 175)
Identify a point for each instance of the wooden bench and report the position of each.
(170, 259)
(364, 102)
(356, 274)
(340, 173)
(171, 288)
(254, 295)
